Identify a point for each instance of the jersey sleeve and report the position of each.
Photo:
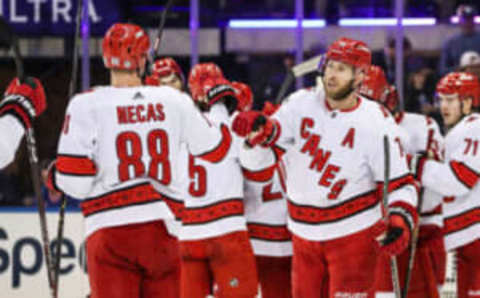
(10, 141)
(204, 139)
(435, 140)
(284, 117)
(75, 166)
(460, 173)
(402, 191)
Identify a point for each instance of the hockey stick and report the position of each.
(393, 260)
(71, 90)
(9, 39)
(411, 256)
(158, 39)
(297, 71)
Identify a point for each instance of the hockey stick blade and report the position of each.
(297, 71)
(307, 67)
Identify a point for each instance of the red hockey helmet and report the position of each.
(464, 84)
(244, 96)
(350, 51)
(124, 46)
(199, 74)
(374, 84)
(165, 67)
(391, 98)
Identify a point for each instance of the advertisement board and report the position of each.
(22, 267)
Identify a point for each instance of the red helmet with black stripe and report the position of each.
(350, 51)
(125, 46)
(463, 84)
(244, 96)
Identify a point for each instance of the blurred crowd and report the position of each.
(265, 73)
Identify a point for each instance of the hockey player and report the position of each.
(21, 103)
(166, 72)
(421, 134)
(115, 141)
(214, 243)
(334, 142)
(457, 177)
(266, 212)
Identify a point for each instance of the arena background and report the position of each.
(252, 41)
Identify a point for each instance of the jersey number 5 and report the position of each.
(198, 174)
(129, 152)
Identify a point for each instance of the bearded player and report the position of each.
(334, 140)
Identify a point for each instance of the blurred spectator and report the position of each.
(386, 59)
(10, 192)
(470, 62)
(467, 40)
(420, 91)
(53, 198)
(275, 81)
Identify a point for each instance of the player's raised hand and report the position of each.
(25, 100)
(256, 128)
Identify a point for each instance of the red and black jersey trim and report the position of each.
(317, 215)
(398, 183)
(139, 194)
(436, 211)
(219, 152)
(461, 221)
(18, 112)
(213, 212)
(464, 174)
(260, 176)
(177, 206)
(267, 232)
(75, 165)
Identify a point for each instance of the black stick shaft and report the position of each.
(71, 91)
(393, 260)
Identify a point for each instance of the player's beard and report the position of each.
(343, 92)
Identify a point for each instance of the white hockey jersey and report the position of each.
(12, 134)
(457, 178)
(336, 165)
(116, 140)
(214, 205)
(266, 211)
(424, 134)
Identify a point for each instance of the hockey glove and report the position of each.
(401, 222)
(257, 128)
(24, 101)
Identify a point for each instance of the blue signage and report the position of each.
(57, 17)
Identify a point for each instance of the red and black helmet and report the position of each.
(124, 46)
